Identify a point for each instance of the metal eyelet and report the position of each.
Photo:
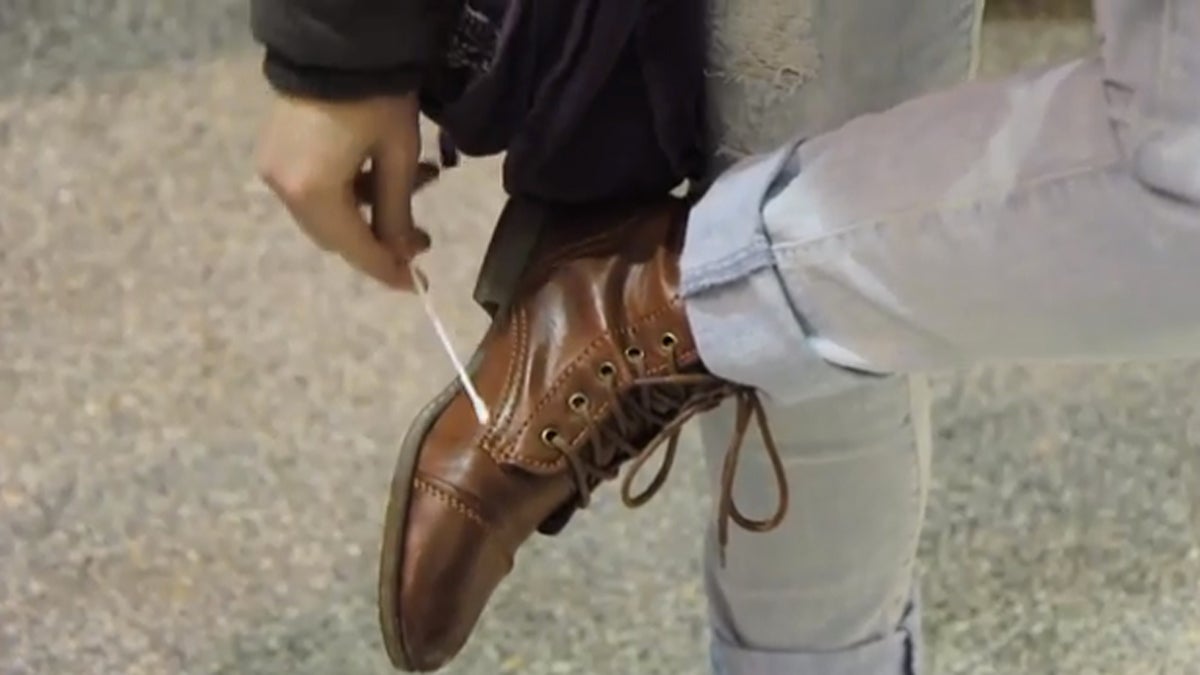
(578, 401)
(607, 371)
(668, 341)
(549, 435)
(634, 353)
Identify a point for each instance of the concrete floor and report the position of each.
(198, 414)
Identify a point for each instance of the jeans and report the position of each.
(831, 591)
(1053, 215)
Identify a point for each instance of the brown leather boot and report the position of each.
(592, 365)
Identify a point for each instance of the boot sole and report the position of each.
(391, 555)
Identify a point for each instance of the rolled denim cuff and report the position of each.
(746, 328)
(899, 653)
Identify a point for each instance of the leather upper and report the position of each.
(598, 300)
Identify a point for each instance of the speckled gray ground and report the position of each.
(198, 414)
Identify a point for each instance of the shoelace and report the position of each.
(666, 404)
(477, 403)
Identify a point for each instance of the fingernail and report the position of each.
(426, 173)
(424, 241)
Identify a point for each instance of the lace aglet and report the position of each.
(477, 405)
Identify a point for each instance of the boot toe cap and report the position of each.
(452, 563)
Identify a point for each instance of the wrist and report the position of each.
(319, 82)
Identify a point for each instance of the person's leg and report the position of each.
(1054, 215)
(830, 591)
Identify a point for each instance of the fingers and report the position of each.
(396, 175)
(328, 213)
(312, 154)
(336, 223)
(405, 240)
(364, 183)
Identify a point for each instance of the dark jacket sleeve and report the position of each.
(342, 49)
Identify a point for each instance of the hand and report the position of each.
(313, 155)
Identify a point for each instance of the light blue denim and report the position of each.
(1053, 215)
(831, 591)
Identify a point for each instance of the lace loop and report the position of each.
(749, 406)
(660, 477)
